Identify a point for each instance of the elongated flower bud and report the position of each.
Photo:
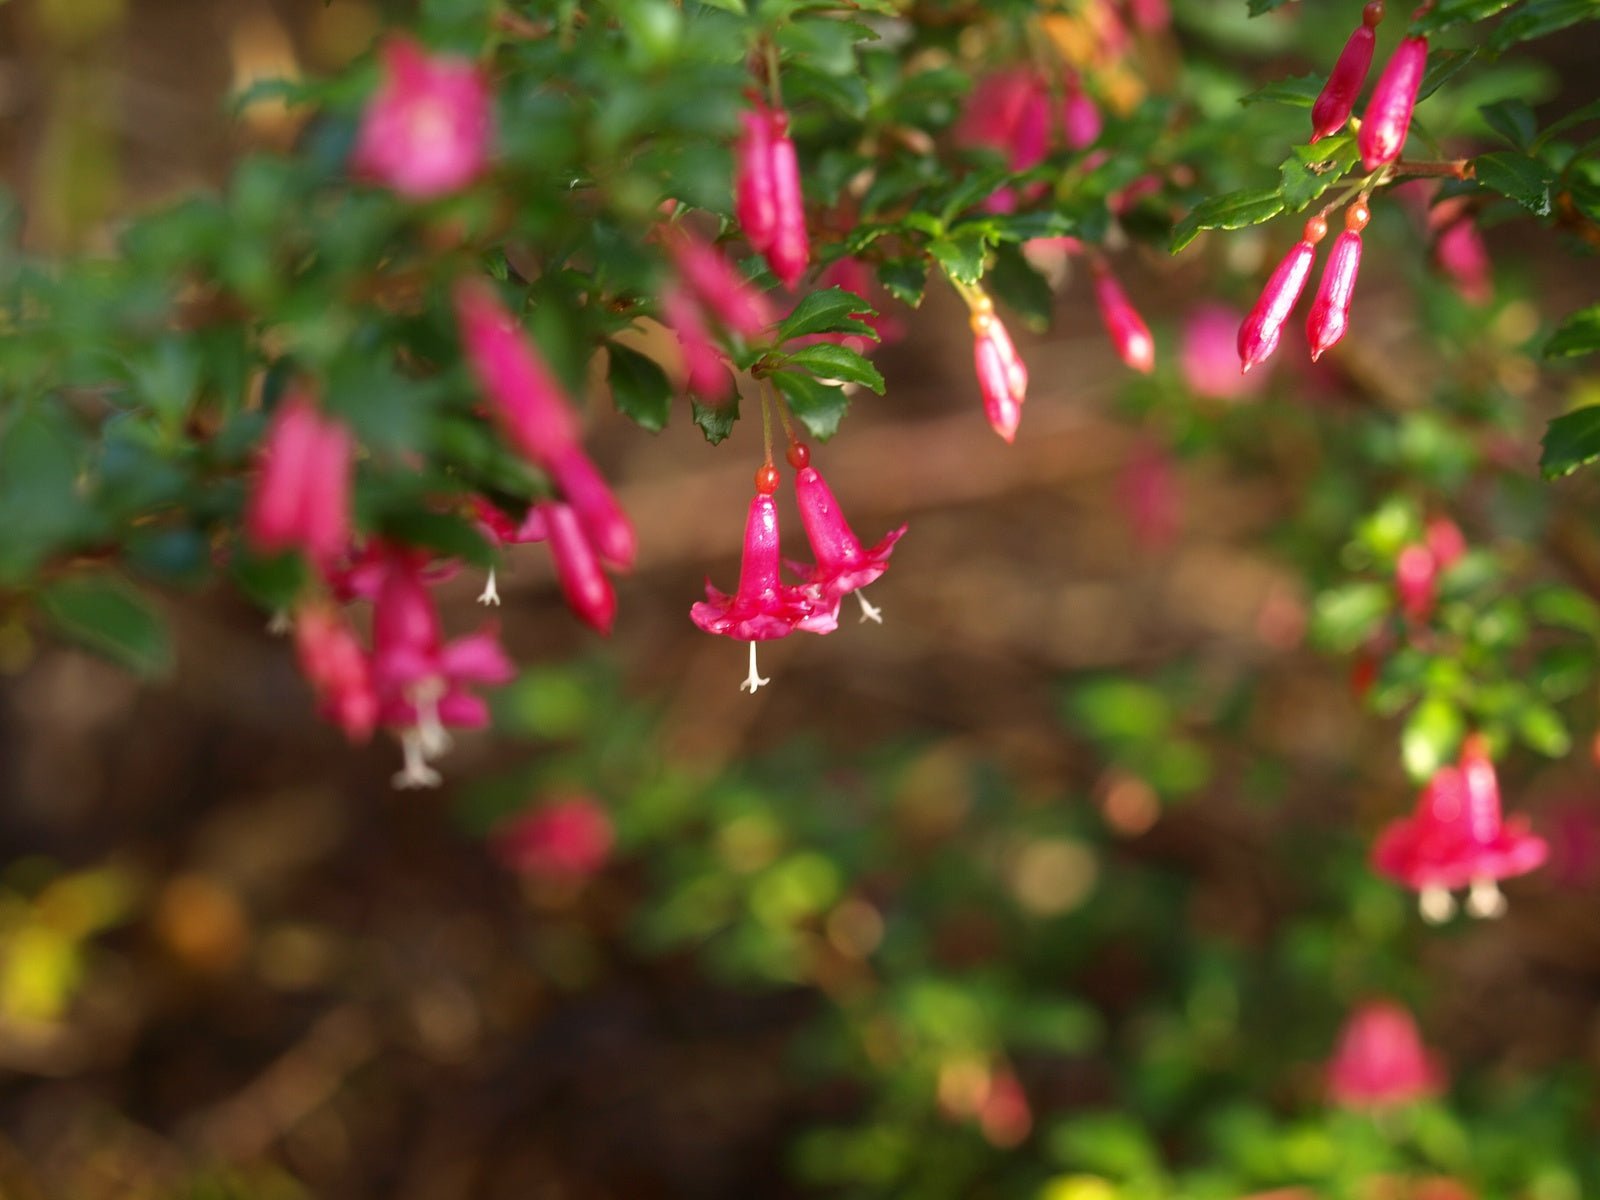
(755, 200)
(1002, 376)
(705, 374)
(1338, 96)
(718, 285)
(523, 394)
(1330, 311)
(301, 499)
(1258, 335)
(1129, 334)
(790, 251)
(1388, 116)
(1415, 574)
(587, 590)
(604, 523)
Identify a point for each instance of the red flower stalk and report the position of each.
(1002, 375)
(336, 666)
(843, 565)
(1258, 335)
(1458, 839)
(1381, 1062)
(762, 607)
(1388, 115)
(426, 131)
(1330, 311)
(1338, 96)
(301, 499)
(1129, 334)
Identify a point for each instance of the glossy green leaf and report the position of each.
(1570, 441)
(1517, 177)
(1578, 334)
(639, 388)
(716, 421)
(818, 406)
(1235, 210)
(833, 310)
(833, 363)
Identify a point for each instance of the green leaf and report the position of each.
(715, 420)
(1018, 285)
(1442, 66)
(1301, 91)
(830, 362)
(1589, 112)
(1430, 737)
(640, 388)
(1234, 210)
(1512, 119)
(101, 613)
(1347, 616)
(961, 256)
(1258, 7)
(451, 536)
(1517, 177)
(1579, 334)
(1537, 18)
(906, 279)
(1457, 12)
(1541, 729)
(1570, 441)
(818, 406)
(1566, 608)
(1312, 170)
(833, 310)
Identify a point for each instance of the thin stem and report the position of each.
(1453, 168)
(774, 88)
(766, 425)
(783, 413)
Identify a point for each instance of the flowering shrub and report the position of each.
(367, 366)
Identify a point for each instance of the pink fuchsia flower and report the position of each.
(1388, 116)
(1002, 375)
(1338, 97)
(1258, 335)
(334, 663)
(583, 583)
(1207, 358)
(1380, 1061)
(524, 396)
(423, 681)
(1151, 499)
(604, 523)
(1330, 311)
(1416, 573)
(1458, 839)
(705, 371)
(1129, 334)
(301, 498)
(763, 607)
(1445, 542)
(426, 131)
(1004, 1114)
(498, 528)
(565, 841)
(767, 193)
(843, 565)
(790, 252)
(1459, 252)
(1080, 118)
(719, 286)
(1150, 16)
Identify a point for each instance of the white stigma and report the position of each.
(754, 681)
(432, 737)
(869, 611)
(1436, 904)
(490, 593)
(1486, 899)
(280, 623)
(416, 773)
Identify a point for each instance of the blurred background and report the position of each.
(1053, 885)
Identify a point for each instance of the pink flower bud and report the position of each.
(523, 394)
(1388, 115)
(585, 586)
(1338, 96)
(565, 841)
(1380, 1060)
(1080, 119)
(790, 251)
(301, 499)
(755, 189)
(1129, 334)
(1258, 335)
(1445, 542)
(720, 287)
(333, 662)
(1002, 376)
(604, 523)
(1415, 574)
(1459, 252)
(426, 130)
(1330, 311)
(1206, 355)
(706, 374)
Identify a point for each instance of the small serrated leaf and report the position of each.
(1235, 210)
(961, 256)
(906, 279)
(828, 361)
(639, 388)
(818, 406)
(1512, 119)
(1301, 91)
(1442, 67)
(1578, 334)
(1517, 177)
(833, 310)
(1570, 441)
(715, 420)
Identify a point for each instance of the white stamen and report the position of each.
(280, 623)
(869, 612)
(431, 733)
(1437, 905)
(754, 681)
(1486, 900)
(490, 594)
(416, 773)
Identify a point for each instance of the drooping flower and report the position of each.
(1416, 573)
(604, 523)
(790, 252)
(1207, 358)
(426, 131)
(1330, 311)
(1388, 116)
(422, 680)
(1380, 1061)
(705, 371)
(1129, 334)
(763, 607)
(301, 498)
(843, 565)
(1459, 252)
(1458, 839)
(719, 286)
(1002, 375)
(767, 193)
(1338, 96)
(565, 841)
(1015, 111)
(1258, 335)
(335, 664)
(583, 583)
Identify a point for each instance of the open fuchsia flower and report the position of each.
(1380, 1061)
(1458, 839)
(1416, 574)
(1129, 334)
(1002, 375)
(1258, 335)
(1330, 311)
(767, 193)
(565, 841)
(1388, 116)
(763, 607)
(1338, 97)
(301, 498)
(335, 664)
(1207, 358)
(426, 131)
(843, 565)
(422, 680)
